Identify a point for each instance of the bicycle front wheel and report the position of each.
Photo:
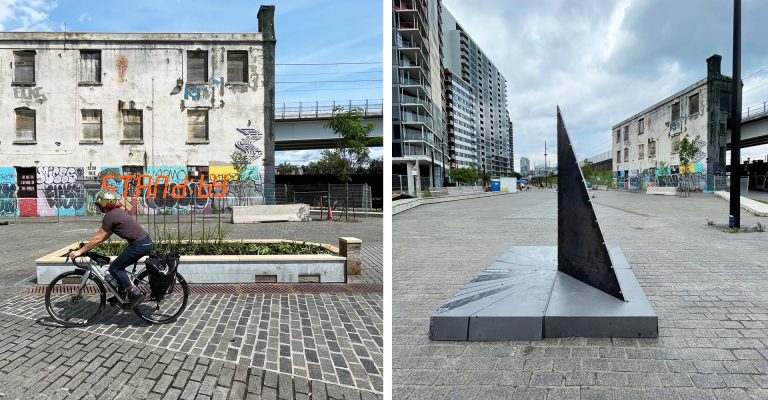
(165, 310)
(69, 304)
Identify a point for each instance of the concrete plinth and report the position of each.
(522, 296)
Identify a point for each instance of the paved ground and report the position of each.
(326, 345)
(707, 286)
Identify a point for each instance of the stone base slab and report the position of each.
(666, 191)
(522, 296)
(270, 213)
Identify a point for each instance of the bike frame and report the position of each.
(92, 270)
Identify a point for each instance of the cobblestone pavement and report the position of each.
(273, 345)
(707, 286)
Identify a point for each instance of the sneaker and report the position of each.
(135, 297)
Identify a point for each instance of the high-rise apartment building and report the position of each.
(492, 127)
(525, 165)
(419, 142)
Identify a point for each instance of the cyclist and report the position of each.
(117, 221)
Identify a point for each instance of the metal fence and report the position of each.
(322, 109)
(82, 204)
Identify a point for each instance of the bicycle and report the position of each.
(77, 298)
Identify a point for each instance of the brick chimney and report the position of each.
(713, 64)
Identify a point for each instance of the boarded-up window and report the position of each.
(24, 66)
(197, 66)
(197, 125)
(640, 126)
(641, 151)
(25, 124)
(626, 155)
(676, 112)
(90, 66)
(693, 104)
(132, 124)
(237, 66)
(91, 124)
(652, 149)
(626, 133)
(618, 156)
(676, 144)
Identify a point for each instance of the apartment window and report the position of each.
(197, 125)
(91, 124)
(626, 133)
(25, 125)
(618, 135)
(651, 149)
(197, 66)
(23, 67)
(693, 104)
(676, 112)
(237, 66)
(132, 124)
(676, 144)
(640, 126)
(641, 151)
(90, 66)
(618, 156)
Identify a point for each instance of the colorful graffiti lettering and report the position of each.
(63, 190)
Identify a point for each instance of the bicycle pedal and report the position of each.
(112, 301)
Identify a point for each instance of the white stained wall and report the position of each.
(659, 127)
(137, 71)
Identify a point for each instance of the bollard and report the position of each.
(350, 248)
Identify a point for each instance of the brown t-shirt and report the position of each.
(121, 224)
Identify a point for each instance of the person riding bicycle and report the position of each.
(117, 221)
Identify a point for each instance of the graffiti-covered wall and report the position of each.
(144, 108)
(176, 189)
(645, 147)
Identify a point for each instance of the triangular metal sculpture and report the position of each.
(581, 250)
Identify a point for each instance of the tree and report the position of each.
(287, 168)
(353, 148)
(686, 153)
(464, 175)
(240, 180)
(586, 169)
(376, 166)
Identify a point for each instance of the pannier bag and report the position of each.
(162, 273)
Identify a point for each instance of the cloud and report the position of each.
(28, 15)
(605, 61)
(84, 17)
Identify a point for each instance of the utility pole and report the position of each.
(546, 171)
(735, 209)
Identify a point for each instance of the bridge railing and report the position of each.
(754, 112)
(325, 109)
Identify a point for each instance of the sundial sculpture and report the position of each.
(581, 287)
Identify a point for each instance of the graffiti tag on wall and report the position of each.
(8, 204)
(246, 144)
(29, 94)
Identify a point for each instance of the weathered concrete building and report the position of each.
(75, 106)
(646, 145)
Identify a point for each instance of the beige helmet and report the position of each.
(106, 199)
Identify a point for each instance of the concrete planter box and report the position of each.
(238, 268)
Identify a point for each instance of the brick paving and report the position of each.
(707, 286)
(263, 345)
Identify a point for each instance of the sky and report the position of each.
(341, 39)
(603, 61)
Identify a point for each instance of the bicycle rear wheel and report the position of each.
(168, 308)
(70, 305)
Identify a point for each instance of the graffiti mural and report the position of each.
(246, 144)
(63, 190)
(8, 203)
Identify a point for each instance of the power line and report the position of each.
(312, 90)
(340, 63)
(335, 73)
(351, 80)
(756, 72)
